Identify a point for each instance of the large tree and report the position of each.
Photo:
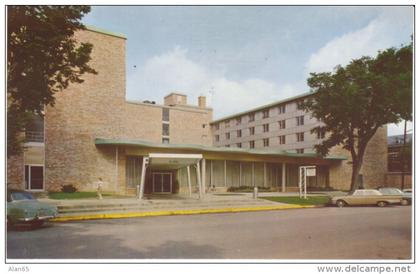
(354, 101)
(43, 58)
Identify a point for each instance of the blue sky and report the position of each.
(243, 57)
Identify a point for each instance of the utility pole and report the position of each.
(402, 155)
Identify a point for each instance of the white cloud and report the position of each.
(379, 34)
(174, 71)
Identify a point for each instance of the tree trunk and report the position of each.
(357, 165)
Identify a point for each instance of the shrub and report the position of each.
(247, 189)
(68, 189)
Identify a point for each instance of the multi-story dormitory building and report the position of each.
(93, 131)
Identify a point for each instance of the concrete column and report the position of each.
(211, 174)
(265, 174)
(189, 180)
(225, 174)
(283, 177)
(203, 175)
(253, 174)
(143, 176)
(240, 173)
(200, 191)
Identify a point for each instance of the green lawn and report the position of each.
(74, 195)
(312, 200)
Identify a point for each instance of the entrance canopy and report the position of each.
(167, 161)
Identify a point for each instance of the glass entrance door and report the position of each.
(162, 182)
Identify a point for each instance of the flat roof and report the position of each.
(266, 152)
(303, 95)
(106, 32)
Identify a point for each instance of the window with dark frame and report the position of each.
(300, 120)
(265, 128)
(217, 138)
(165, 114)
(239, 144)
(300, 150)
(165, 140)
(165, 129)
(282, 139)
(239, 133)
(282, 109)
(251, 117)
(266, 142)
(227, 124)
(251, 144)
(216, 126)
(266, 113)
(238, 121)
(300, 137)
(320, 135)
(227, 135)
(282, 124)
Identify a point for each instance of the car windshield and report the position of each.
(17, 196)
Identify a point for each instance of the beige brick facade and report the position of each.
(98, 108)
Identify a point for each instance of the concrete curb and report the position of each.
(174, 212)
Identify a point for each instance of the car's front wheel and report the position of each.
(404, 202)
(340, 203)
(381, 203)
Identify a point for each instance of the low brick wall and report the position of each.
(393, 179)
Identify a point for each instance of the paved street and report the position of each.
(322, 233)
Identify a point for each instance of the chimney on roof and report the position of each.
(174, 99)
(202, 101)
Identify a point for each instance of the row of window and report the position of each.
(165, 125)
(300, 121)
(265, 114)
(300, 137)
(266, 143)
(266, 127)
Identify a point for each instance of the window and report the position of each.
(320, 135)
(299, 150)
(217, 138)
(204, 125)
(282, 140)
(282, 124)
(300, 137)
(216, 126)
(266, 142)
(238, 121)
(165, 114)
(34, 130)
(251, 117)
(282, 109)
(34, 177)
(239, 145)
(265, 128)
(227, 145)
(251, 130)
(300, 120)
(165, 129)
(165, 140)
(227, 124)
(239, 133)
(227, 135)
(251, 144)
(266, 113)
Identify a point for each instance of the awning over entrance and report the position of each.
(167, 161)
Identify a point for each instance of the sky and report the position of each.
(243, 57)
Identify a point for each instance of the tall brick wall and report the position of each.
(97, 108)
(374, 166)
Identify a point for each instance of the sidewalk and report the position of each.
(161, 205)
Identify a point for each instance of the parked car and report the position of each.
(22, 207)
(393, 191)
(365, 197)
